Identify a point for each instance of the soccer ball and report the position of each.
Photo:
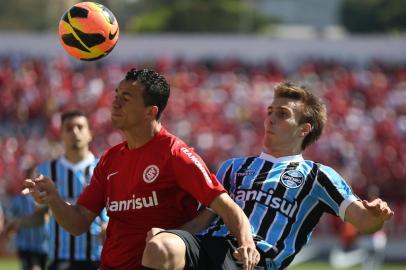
(88, 31)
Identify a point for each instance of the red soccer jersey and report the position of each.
(156, 185)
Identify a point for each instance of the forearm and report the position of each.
(369, 224)
(70, 217)
(239, 226)
(234, 218)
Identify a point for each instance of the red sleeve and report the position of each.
(193, 176)
(93, 196)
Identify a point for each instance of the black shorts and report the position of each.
(30, 259)
(206, 252)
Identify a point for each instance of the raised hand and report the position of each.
(379, 208)
(42, 189)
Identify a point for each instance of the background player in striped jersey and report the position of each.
(29, 224)
(71, 173)
(151, 179)
(283, 194)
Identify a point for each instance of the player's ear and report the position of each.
(152, 112)
(89, 129)
(306, 129)
(91, 134)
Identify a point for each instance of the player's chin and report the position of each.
(117, 124)
(115, 121)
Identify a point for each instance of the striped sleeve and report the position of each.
(334, 191)
(223, 173)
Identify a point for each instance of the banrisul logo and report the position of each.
(292, 179)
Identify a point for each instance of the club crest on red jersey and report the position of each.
(150, 173)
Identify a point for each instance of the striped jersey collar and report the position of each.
(80, 165)
(268, 157)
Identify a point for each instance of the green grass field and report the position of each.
(12, 264)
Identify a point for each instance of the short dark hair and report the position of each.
(313, 111)
(156, 88)
(70, 114)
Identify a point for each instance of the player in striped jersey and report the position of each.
(285, 195)
(71, 173)
(31, 233)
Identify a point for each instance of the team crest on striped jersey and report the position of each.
(150, 173)
(292, 179)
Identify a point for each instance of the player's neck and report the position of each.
(282, 152)
(76, 155)
(137, 137)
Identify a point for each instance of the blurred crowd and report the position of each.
(217, 106)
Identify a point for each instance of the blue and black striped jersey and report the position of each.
(28, 239)
(284, 198)
(70, 180)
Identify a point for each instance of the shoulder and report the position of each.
(329, 172)
(237, 162)
(46, 163)
(240, 160)
(47, 166)
(176, 146)
(328, 176)
(173, 143)
(111, 152)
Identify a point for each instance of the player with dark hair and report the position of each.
(283, 195)
(152, 179)
(70, 174)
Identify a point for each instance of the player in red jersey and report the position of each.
(153, 179)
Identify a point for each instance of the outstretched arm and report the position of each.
(368, 217)
(74, 218)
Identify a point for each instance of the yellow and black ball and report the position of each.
(88, 31)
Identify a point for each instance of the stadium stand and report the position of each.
(214, 107)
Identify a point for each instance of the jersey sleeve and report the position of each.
(193, 176)
(93, 196)
(334, 191)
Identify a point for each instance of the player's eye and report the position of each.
(281, 114)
